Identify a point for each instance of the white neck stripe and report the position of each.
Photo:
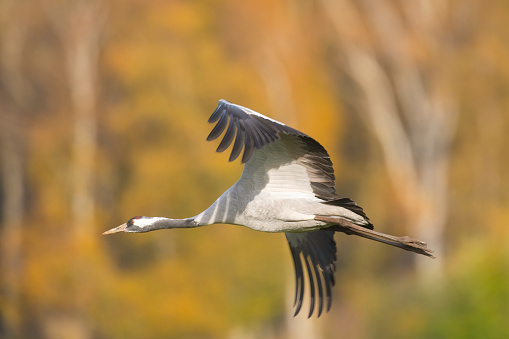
(144, 222)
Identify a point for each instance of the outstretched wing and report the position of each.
(287, 163)
(261, 137)
(317, 252)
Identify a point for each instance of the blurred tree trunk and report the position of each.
(13, 104)
(398, 55)
(79, 24)
(300, 326)
(81, 37)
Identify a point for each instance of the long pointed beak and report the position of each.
(120, 228)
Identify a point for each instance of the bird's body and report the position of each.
(267, 214)
(274, 194)
(287, 185)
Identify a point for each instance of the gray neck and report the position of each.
(166, 223)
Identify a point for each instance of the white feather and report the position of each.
(144, 222)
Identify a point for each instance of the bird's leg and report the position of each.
(406, 243)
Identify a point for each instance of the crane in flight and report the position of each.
(287, 185)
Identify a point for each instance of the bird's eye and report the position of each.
(131, 221)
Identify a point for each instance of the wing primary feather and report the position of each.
(261, 131)
(253, 132)
(299, 282)
(328, 290)
(219, 128)
(317, 262)
(320, 290)
(327, 274)
(239, 142)
(248, 146)
(311, 287)
(271, 127)
(302, 285)
(228, 137)
(217, 113)
(258, 138)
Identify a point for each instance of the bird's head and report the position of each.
(137, 224)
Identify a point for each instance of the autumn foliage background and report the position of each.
(103, 116)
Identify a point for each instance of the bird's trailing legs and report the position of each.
(406, 243)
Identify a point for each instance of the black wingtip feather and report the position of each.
(219, 128)
(217, 113)
(248, 146)
(311, 288)
(229, 136)
(258, 131)
(299, 282)
(320, 289)
(237, 145)
(317, 252)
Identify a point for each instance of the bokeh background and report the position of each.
(103, 116)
